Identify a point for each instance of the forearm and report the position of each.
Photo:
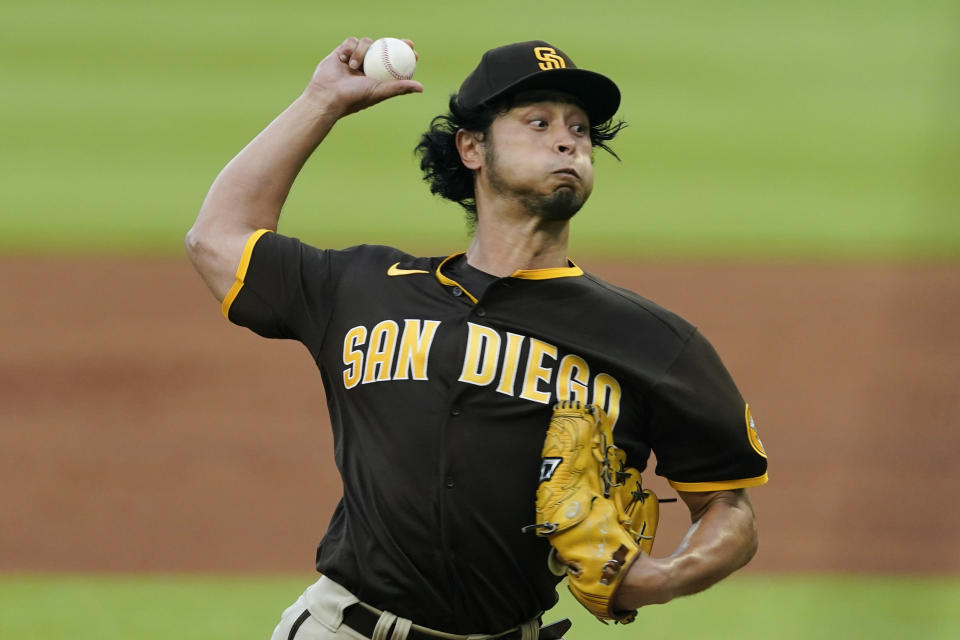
(250, 191)
(722, 539)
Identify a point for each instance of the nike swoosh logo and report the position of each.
(394, 271)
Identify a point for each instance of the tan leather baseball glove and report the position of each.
(591, 507)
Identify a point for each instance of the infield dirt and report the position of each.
(142, 432)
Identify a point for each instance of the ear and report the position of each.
(470, 149)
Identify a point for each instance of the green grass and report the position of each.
(795, 608)
(98, 607)
(810, 129)
(199, 607)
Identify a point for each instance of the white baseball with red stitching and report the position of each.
(389, 59)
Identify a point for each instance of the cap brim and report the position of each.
(598, 93)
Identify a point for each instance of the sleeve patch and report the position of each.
(752, 433)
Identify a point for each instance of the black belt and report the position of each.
(363, 621)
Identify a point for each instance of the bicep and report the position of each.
(699, 502)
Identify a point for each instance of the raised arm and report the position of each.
(250, 191)
(722, 538)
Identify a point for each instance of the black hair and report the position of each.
(440, 160)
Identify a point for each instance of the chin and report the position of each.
(562, 204)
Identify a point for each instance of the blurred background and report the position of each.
(788, 183)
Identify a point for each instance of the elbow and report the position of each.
(202, 237)
(750, 536)
(193, 244)
(753, 542)
(196, 244)
(744, 534)
(190, 242)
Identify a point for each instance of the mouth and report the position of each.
(567, 171)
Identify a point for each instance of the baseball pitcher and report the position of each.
(493, 410)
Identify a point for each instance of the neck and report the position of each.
(508, 241)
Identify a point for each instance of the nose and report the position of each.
(565, 143)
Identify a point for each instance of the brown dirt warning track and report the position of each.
(139, 431)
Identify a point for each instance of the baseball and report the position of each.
(389, 59)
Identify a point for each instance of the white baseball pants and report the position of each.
(318, 615)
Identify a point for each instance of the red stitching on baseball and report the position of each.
(388, 66)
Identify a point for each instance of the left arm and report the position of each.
(721, 539)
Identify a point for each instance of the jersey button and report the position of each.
(481, 311)
(449, 482)
(455, 411)
(457, 291)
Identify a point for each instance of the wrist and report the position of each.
(324, 105)
(648, 581)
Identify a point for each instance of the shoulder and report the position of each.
(362, 257)
(620, 304)
(379, 261)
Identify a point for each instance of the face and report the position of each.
(539, 154)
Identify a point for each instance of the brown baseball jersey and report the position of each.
(440, 380)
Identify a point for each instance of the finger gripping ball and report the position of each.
(389, 59)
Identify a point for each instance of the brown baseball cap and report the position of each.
(536, 64)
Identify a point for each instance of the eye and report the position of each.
(580, 129)
(539, 123)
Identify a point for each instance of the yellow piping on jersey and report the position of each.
(522, 274)
(548, 274)
(724, 485)
(448, 281)
(241, 272)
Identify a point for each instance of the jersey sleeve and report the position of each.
(283, 288)
(701, 429)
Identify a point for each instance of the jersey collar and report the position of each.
(523, 274)
(548, 274)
